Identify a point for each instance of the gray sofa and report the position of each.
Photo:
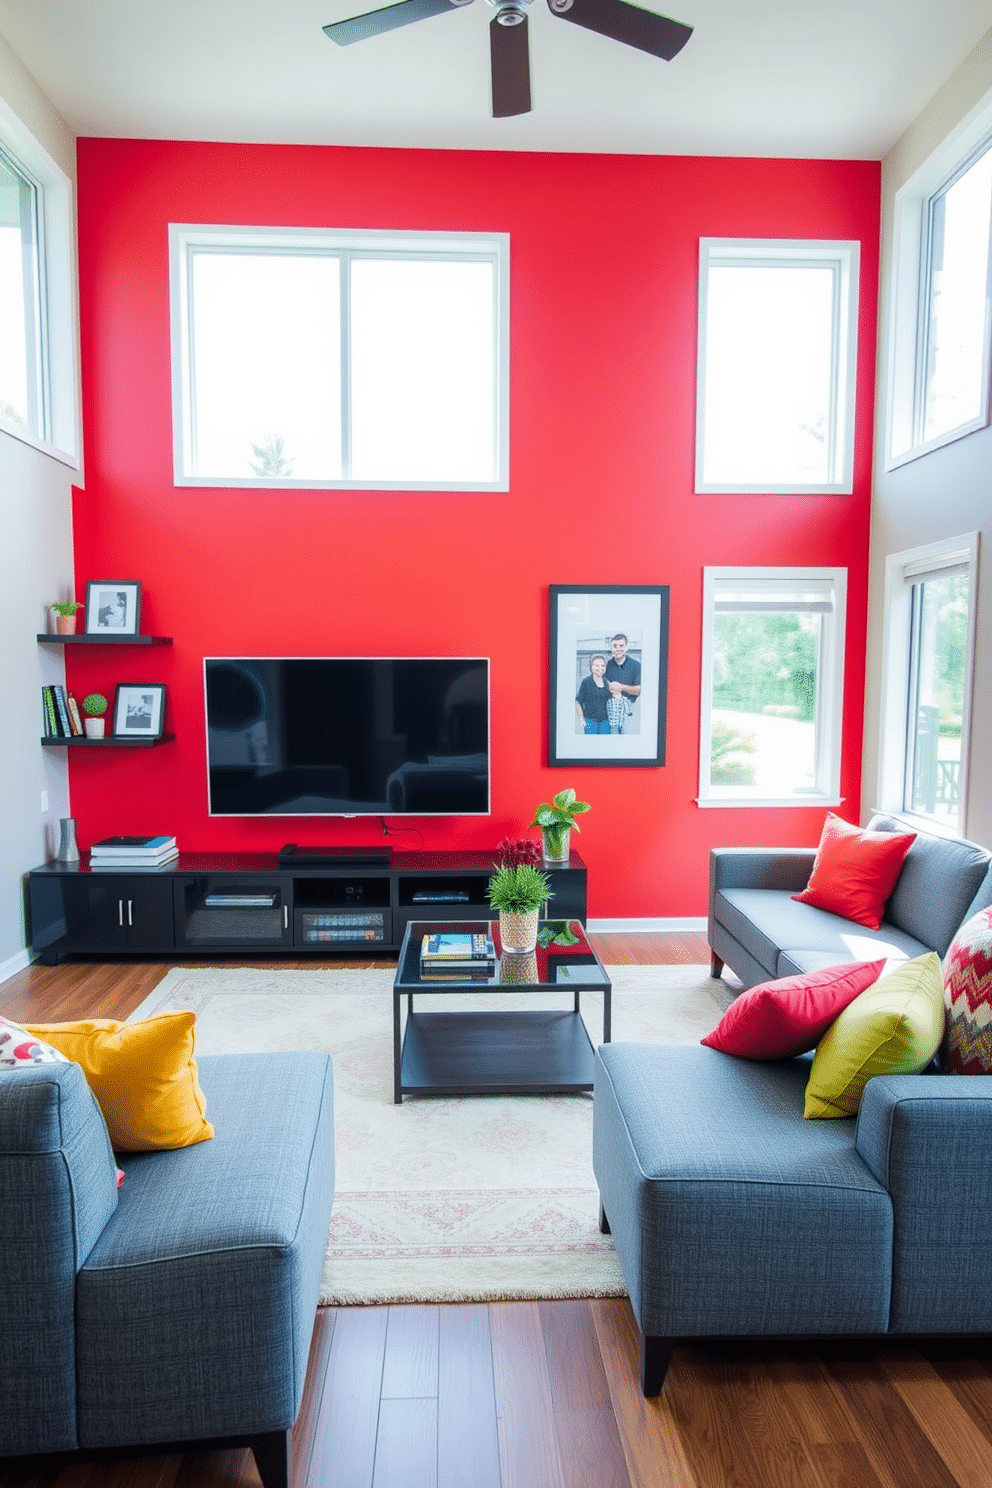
(735, 1217)
(178, 1309)
(757, 929)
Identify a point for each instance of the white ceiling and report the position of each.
(815, 78)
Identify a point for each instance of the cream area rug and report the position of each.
(474, 1198)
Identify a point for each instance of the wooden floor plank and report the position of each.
(467, 1435)
(898, 1449)
(575, 1369)
(524, 1409)
(406, 1444)
(653, 1452)
(305, 1429)
(410, 1366)
(344, 1445)
(940, 1415)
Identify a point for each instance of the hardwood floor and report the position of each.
(545, 1395)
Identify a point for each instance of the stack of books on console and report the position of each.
(457, 956)
(133, 852)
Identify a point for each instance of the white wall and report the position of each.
(35, 566)
(942, 494)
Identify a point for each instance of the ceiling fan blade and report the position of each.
(510, 58)
(628, 23)
(375, 22)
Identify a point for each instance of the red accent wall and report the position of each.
(604, 271)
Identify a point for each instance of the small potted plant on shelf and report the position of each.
(64, 611)
(518, 892)
(556, 822)
(94, 706)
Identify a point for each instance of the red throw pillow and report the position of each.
(855, 870)
(779, 1019)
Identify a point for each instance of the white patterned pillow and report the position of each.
(967, 1046)
(19, 1049)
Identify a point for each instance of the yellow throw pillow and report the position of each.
(143, 1075)
(893, 1028)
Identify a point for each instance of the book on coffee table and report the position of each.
(456, 950)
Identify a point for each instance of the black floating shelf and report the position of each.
(103, 640)
(113, 741)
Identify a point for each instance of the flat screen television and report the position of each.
(347, 736)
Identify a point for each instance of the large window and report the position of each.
(776, 365)
(317, 358)
(38, 343)
(941, 310)
(927, 668)
(772, 693)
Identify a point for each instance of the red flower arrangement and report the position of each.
(512, 852)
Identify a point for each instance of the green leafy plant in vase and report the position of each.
(518, 893)
(64, 611)
(94, 706)
(557, 822)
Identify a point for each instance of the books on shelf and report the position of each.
(461, 952)
(133, 852)
(60, 715)
(467, 973)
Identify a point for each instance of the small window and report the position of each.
(350, 360)
(776, 366)
(21, 344)
(941, 310)
(39, 396)
(772, 692)
(927, 669)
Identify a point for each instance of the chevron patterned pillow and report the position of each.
(967, 1045)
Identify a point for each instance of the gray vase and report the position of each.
(68, 848)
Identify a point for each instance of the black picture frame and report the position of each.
(139, 710)
(113, 607)
(583, 621)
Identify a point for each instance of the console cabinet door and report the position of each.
(100, 912)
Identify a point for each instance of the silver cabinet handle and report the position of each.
(285, 917)
(120, 913)
(129, 919)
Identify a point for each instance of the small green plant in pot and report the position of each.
(557, 822)
(518, 892)
(64, 611)
(94, 706)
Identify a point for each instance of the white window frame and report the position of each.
(906, 374)
(57, 340)
(843, 258)
(901, 571)
(185, 239)
(829, 693)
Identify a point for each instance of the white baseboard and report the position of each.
(631, 927)
(14, 964)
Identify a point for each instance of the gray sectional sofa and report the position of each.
(179, 1308)
(735, 1217)
(757, 929)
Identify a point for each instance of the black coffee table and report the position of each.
(518, 1051)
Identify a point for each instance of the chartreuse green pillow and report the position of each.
(894, 1027)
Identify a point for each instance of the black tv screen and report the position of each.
(347, 736)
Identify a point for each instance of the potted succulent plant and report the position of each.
(64, 611)
(556, 822)
(518, 892)
(94, 706)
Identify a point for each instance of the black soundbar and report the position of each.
(292, 856)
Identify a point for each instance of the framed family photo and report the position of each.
(607, 674)
(139, 708)
(112, 607)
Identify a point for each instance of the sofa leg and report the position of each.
(271, 1453)
(604, 1223)
(716, 965)
(656, 1355)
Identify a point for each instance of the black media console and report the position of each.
(240, 903)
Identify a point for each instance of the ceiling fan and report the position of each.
(509, 52)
